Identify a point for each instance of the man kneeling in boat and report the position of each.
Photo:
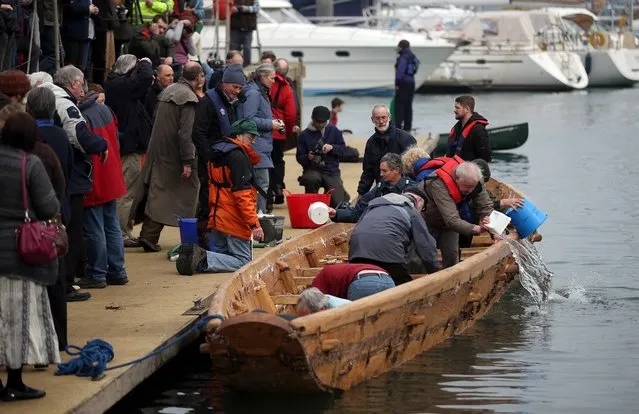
(386, 230)
(456, 182)
(312, 300)
(233, 201)
(352, 281)
(392, 181)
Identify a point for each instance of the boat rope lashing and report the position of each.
(92, 359)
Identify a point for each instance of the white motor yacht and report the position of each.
(511, 49)
(337, 59)
(611, 59)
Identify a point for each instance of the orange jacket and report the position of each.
(232, 193)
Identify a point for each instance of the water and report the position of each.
(579, 353)
(534, 275)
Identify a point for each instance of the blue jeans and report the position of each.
(364, 285)
(105, 248)
(230, 253)
(261, 179)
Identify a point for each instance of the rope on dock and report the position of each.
(93, 358)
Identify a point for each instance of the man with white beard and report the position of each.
(387, 138)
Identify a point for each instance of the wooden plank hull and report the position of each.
(338, 348)
(501, 138)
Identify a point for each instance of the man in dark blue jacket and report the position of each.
(405, 69)
(318, 150)
(392, 181)
(387, 138)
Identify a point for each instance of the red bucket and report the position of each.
(298, 205)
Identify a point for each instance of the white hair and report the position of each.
(312, 300)
(39, 77)
(67, 75)
(468, 170)
(125, 64)
(378, 106)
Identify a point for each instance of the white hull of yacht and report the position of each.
(533, 71)
(613, 67)
(342, 59)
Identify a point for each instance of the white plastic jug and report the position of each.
(498, 222)
(318, 213)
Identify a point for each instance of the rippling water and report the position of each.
(577, 354)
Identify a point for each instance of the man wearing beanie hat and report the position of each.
(233, 219)
(387, 231)
(214, 115)
(319, 148)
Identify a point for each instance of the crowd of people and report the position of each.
(153, 140)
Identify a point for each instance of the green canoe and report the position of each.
(501, 138)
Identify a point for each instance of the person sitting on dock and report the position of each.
(455, 182)
(468, 137)
(233, 205)
(318, 149)
(352, 281)
(312, 300)
(387, 138)
(385, 232)
(392, 181)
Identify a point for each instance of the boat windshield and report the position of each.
(281, 15)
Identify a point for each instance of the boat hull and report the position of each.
(550, 71)
(613, 67)
(501, 138)
(342, 60)
(336, 349)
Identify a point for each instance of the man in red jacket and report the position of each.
(284, 108)
(102, 235)
(352, 281)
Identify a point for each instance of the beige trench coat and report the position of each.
(167, 194)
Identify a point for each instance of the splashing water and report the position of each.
(534, 276)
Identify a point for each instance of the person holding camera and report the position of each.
(319, 147)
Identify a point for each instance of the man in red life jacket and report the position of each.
(446, 188)
(468, 138)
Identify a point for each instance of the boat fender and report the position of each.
(588, 63)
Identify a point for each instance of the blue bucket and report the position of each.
(188, 230)
(526, 219)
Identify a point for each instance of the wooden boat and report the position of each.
(336, 349)
(501, 138)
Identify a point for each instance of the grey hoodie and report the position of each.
(386, 230)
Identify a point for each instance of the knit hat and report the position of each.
(14, 82)
(416, 191)
(483, 166)
(234, 74)
(321, 114)
(244, 126)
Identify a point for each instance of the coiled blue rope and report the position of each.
(93, 358)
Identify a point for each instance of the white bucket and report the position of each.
(318, 213)
(498, 222)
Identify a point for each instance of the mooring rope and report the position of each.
(92, 359)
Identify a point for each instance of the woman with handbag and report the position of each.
(29, 247)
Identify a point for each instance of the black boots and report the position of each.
(16, 390)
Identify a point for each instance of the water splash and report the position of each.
(534, 275)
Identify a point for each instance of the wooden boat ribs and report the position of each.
(339, 348)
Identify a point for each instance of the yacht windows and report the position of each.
(489, 27)
(281, 15)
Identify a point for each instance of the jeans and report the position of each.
(105, 249)
(242, 41)
(77, 53)
(261, 179)
(366, 285)
(404, 94)
(230, 254)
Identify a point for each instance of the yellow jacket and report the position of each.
(163, 7)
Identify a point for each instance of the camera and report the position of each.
(318, 154)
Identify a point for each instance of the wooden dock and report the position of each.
(156, 306)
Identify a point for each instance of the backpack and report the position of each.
(412, 66)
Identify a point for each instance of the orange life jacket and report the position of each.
(443, 167)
